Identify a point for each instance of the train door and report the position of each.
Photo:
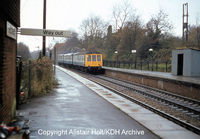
(88, 60)
(94, 59)
(99, 60)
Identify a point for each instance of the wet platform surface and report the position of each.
(165, 75)
(157, 124)
(74, 110)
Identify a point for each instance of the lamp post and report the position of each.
(151, 50)
(116, 52)
(44, 27)
(134, 52)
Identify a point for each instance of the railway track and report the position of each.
(188, 106)
(181, 110)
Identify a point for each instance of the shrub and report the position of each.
(43, 76)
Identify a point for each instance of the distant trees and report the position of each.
(157, 30)
(23, 51)
(127, 32)
(93, 29)
(73, 41)
(194, 36)
(131, 37)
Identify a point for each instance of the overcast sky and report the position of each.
(68, 14)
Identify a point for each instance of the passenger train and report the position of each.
(86, 61)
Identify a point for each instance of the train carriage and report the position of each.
(85, 61)
(68, 59)
(60, 58)
(79, 59)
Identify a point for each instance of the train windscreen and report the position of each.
(98, 57)
(93, 57)
(89, 58)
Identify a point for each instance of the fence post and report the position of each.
(157, 65)
(29, 79)
(135, 64)
(148, 64)
(18, 80)
(55, 61)
(166, 66)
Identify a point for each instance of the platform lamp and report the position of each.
(116, 52)
(134, 52)
(151, 50)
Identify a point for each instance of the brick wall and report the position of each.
(9, 11)
(182, 88)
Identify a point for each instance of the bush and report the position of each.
(43, 76)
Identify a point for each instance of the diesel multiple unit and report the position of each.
(85, 61)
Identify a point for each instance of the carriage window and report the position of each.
(93, 57)
(98, 57)
(89, 58)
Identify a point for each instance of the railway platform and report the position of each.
(79, 108)
(75, 111)
(166, 75)
(181, 85)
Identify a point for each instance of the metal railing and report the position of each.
(158, 65)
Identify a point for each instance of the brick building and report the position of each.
(9, 21)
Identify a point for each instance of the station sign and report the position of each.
(45, 32)
(11, 30)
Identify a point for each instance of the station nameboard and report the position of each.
(45, 32)
(11, 30)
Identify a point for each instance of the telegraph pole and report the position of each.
(185, 23)
(44, 27)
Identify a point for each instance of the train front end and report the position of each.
(93, 61)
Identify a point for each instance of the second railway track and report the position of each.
(181, 110)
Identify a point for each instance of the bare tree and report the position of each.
(159, 23)
(84, 28)
(94, 28)
(121, 13)
(131, 35)
(157, 27)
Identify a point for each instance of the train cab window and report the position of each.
(98, 57)
(93, 57)
(89, 58)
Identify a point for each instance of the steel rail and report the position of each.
(160, 91)
(157, 111)
(151, 95)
